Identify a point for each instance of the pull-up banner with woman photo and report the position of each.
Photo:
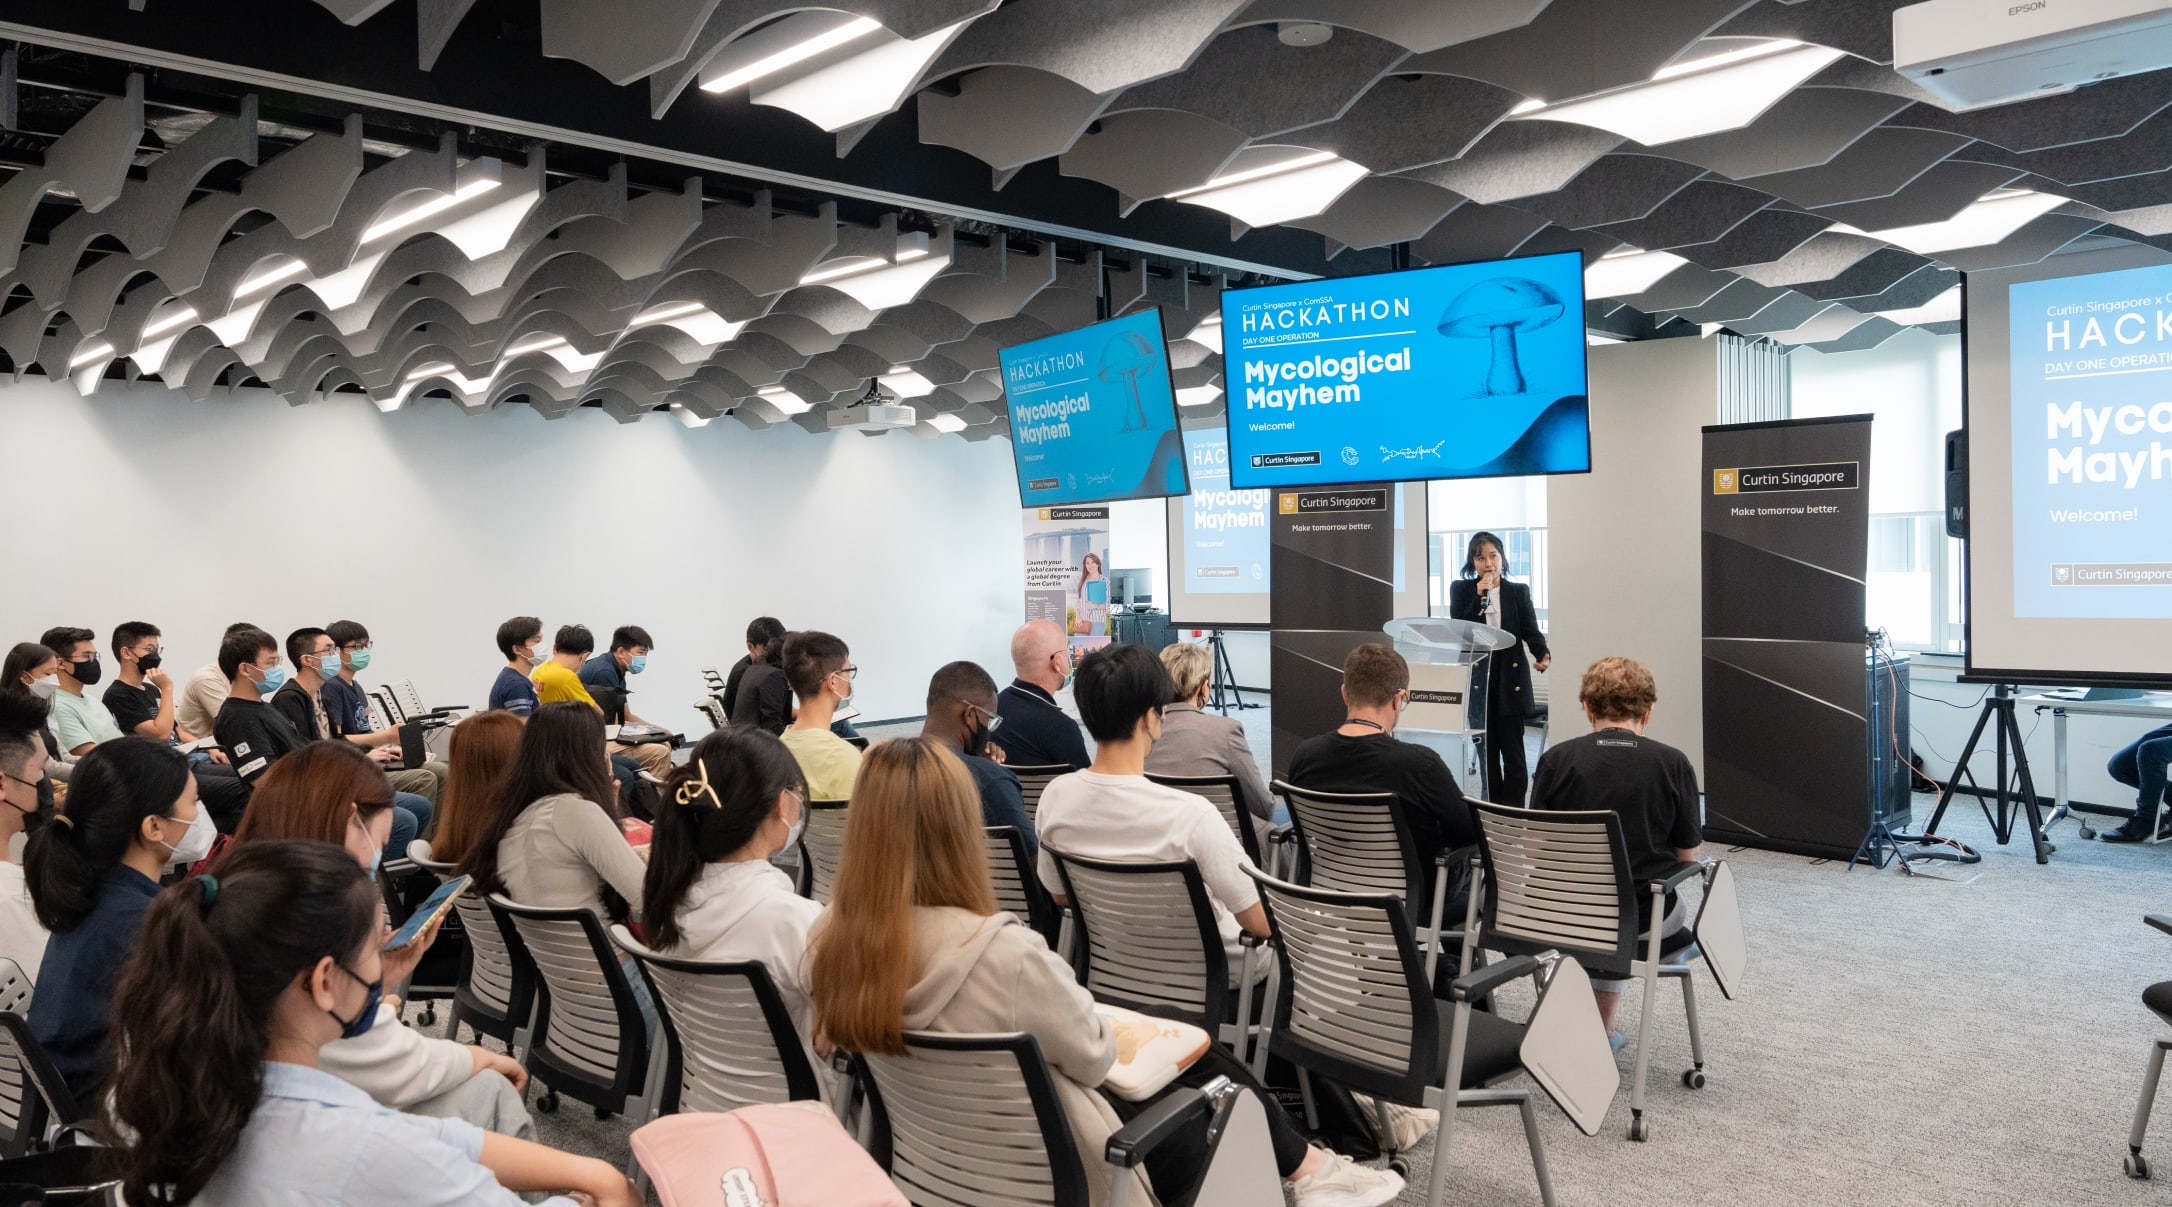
(1067, 581)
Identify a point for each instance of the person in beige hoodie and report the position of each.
(913, 877)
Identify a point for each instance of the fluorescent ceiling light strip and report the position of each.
(946, 423)
(433, 369)
(1709, 100)
(434, 206)
(270, 277)
(91, 355)
(540, 343)
(660, 314)
(1532, 105)
(184, 315)
(1273, 169)
(772, 64)
(856, 265)
(1727, 58)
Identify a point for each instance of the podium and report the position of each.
(1445, 657)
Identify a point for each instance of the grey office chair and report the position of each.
(819, 846)
(730, 1041)
(2158, 998)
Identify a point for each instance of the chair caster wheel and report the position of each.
(603, 1114)
(429, 1015)
(1693, 1078)
(2136, 1166)
(2088, 832)
(548, 1103)
(1399, 1167)
(1639, 1130)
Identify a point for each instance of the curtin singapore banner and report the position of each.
(1457, 371)
(1786, 710)
(1093, 414)
(1067, 555)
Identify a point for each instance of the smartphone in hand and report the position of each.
(435, 907)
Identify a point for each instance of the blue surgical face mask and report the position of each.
(359, 1025)
(377, 860)
(274, 679)
(640, 663)
(358, 660)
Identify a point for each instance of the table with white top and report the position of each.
(2155, 708)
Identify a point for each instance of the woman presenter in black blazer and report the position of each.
(1483, 595)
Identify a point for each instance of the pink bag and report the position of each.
(792, 1154)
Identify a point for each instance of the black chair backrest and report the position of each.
(1018, 888)
(1147, 938)
(1557, 880)
(730, 1040)
(1356, 842)
(1032, 780)
(974, 1121)
(1223, 792)
(1353, 1003)
(591, 1041)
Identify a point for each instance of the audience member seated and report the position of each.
(276, 957)
(1649, 784)
(961, 715)
(301, 701)
(912, 941)
(1036, 733)
(557, 678)
(31, 670)
(141, 699)
(711, 892)
(484, 747)
(78, 721)
(252, 731)
(606, 675)
(1364, 755)
(22, 771)
(1196, 743)
(349, 708)
(131, 814)
(520, 640)
(553, 839)
(198, 708)
(756, 692)
(1112, 811)
(2140, 765)
(331, 792)
(821, 672)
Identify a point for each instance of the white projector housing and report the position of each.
(1973, 54)
(874, 417)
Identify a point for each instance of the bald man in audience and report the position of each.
(1036, 733)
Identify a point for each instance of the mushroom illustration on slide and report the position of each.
(1497, 310)
(1123, 359)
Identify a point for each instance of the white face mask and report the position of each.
(799, 824)
(195, 844)
(45, 688)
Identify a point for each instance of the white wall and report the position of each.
(1626, 537)
(1912, 383)
(431, 527)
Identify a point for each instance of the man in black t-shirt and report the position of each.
(1364, 755)
(140, 700)
(1648, 783)
(254, 735)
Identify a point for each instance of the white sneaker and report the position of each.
(1345, 1183)
(1409, 1124)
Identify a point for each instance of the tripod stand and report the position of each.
(1226, 694)
(2000, 809)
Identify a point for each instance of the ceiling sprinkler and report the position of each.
(1497, 310)
(1123, 359)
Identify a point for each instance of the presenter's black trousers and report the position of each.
(1508, 778)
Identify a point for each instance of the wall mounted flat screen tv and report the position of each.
(1093, 414)
(1456, 371)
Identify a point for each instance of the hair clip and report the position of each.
(207, 890)
(691, 790)
(65, 820)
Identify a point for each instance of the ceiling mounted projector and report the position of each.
(1973, 54)
(873, 417)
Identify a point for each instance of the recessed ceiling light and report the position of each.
(784, 400)
(1282, 191)
(175, 319)
(1945, 308)
(905, 383)
(1708, 96)
(91, 354)
(1984, 222)
(428, 209)
(798, 52)
(1741, 55)
(434, 369)
(946, 422)
(270, 277)
(1532, 105)
(689, 418)
(1294, 164)
(1622, 276)
(673, 310)
(535, 343)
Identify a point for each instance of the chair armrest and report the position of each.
(1132, 1142)
(1282, 834)
(1246, 938)
(2160, 921)
(1682, 873)
(1479, 982)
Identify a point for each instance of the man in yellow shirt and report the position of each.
(558, 678)
(820, 670)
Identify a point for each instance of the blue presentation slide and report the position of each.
(1225, 530)
(1093, 414)
(1460, 371)
(2092, 441)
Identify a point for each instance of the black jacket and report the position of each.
(1509, 670)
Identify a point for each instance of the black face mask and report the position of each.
(976, 739)
(86, 673)
(149, 662)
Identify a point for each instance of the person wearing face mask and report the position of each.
(1036, 733)
(962, 715)
(348, 708)
(205, 690)
(141, 701)
(131, 814)
(31, 670)
(316, 658)
(820, 669)
(22, 774)
(711, 892)
(254, 734)
(606, 675)
(228, 1104)
(79, 721)
(520, 640)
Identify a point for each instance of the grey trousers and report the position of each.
(486, 1100)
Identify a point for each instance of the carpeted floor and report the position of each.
(1976, 1040)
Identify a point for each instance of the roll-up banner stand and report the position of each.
(1067, 557)
(1786, 546)
(1332, 563)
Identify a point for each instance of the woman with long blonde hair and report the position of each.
(912, 941)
